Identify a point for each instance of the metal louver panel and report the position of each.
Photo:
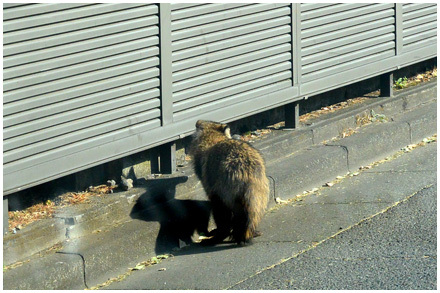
(76, 76)
(223, 54)
(419, 25)
(87, 83)
(336, 38)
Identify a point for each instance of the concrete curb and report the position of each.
(296, 160)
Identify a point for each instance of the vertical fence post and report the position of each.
(166, 90)
(386, 80)
(295, 36)
(398, 18)
(296, 44)
(167, 152)
(291, 111)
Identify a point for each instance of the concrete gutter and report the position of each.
(86, 244)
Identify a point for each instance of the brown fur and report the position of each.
(233, 175)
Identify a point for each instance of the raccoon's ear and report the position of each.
(227, 131)
(199, 124)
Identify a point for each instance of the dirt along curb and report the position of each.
(84, 246)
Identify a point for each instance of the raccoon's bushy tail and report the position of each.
(255, 200)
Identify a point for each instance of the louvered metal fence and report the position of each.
(84, 84)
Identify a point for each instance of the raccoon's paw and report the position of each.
(210, 241)
(243, 241)
(214, 237)
(211, 233)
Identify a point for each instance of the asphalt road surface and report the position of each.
(393, 250)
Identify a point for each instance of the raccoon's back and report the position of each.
(233, 163)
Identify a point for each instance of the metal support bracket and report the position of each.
(167, 153)
(386, 85)
(291, 116)
(5, 215)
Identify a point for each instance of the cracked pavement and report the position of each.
(375, 230)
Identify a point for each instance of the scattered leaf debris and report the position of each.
(333, 108)
(20, 219)
(140, 266)
(15, 265)
(279, 200)
(84, 197)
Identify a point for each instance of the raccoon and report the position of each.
(233, 175)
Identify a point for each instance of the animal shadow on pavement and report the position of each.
(178, 219)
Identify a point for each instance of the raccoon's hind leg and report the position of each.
(223, 220)
(240, 224)
(241, 229)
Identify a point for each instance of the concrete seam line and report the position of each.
(83, 262)
(410, 132)
(313, 130)
(346, 150)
